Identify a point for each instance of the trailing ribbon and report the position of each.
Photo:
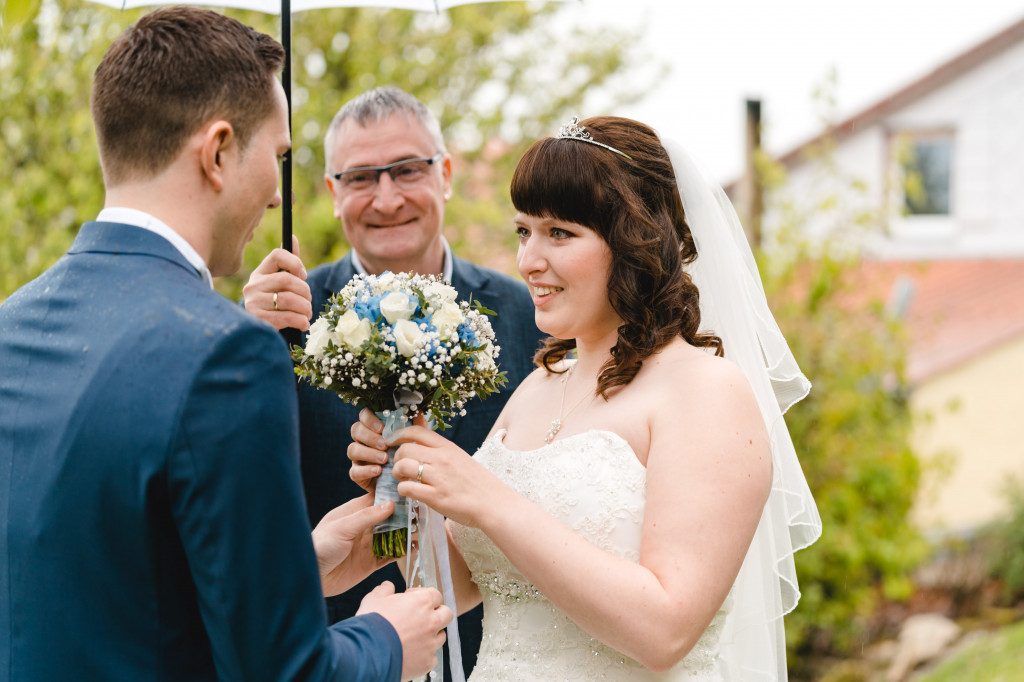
(433, 566)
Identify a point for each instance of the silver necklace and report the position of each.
(556, 423)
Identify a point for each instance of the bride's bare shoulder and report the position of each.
(682, 368)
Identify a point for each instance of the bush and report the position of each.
(851, 434)
(1006, 546)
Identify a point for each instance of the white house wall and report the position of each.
(984, 109)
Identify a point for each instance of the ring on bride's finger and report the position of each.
(419, 474)
(275, 300)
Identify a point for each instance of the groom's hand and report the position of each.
(277, 292)
(343, 543)
(419, 616)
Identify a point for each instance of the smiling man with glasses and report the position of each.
(390, 176)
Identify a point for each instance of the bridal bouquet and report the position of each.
(401, 345)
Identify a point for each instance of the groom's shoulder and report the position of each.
(204, 320)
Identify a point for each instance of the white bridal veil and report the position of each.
(733, 306)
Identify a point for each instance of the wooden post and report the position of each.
(753, 192)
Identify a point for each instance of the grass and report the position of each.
(995, 657)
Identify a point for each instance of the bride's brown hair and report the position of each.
(633, 204)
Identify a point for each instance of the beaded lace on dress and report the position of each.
(594, 484)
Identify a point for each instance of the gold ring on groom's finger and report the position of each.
(275, 300)
(419, 474)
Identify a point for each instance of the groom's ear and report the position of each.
(217, 149)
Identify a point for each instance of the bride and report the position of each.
(633, 513)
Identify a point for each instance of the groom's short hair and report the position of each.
(167, 75)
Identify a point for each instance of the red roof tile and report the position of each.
(957, 310)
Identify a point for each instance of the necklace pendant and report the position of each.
(556, 426)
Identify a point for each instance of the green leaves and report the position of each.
(852, 435)
(51, 170)
(14, 13)
(498, 75)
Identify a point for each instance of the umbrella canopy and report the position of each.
(285, 8)
(277, 6)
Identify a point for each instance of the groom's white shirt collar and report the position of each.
(446, 267)
(131, 216)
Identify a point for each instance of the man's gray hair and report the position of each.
(375, 106)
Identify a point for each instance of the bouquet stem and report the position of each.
(391, 535)
(390, 544)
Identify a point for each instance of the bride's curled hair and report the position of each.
(633, 204)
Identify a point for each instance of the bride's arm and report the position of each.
(708, 476)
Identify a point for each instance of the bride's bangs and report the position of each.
(560, 179)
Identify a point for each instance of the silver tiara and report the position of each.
(574, 131)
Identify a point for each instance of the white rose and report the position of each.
(351, 330)
(398, 306)
(440, 292)
(408, 337)
(384, 281)
(316, 340)
(447, 319)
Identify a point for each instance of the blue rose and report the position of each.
(467, 336)
(368, 308)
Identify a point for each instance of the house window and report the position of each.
(926, 162)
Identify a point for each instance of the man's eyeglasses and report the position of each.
(404, 173)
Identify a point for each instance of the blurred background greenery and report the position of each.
(498, 76)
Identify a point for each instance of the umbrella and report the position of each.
(285, 9)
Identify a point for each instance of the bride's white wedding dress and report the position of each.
(594, 484)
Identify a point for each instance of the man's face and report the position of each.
(255, 178)
(391, 226)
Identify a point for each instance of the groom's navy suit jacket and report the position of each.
(152, 522)
(325, 421)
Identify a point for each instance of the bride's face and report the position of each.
(566, 266)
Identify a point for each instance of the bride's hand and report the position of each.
(368, 451)
(432, 469)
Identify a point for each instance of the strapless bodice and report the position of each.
(594, 484)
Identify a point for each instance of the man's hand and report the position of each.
(277, 292)
(419, 616)
(343, 542)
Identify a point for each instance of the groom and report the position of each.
(152, 521)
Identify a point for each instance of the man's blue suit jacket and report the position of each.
(152, 521)
(325, 420)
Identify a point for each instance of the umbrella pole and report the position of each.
(291, 336)
(286, 167)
